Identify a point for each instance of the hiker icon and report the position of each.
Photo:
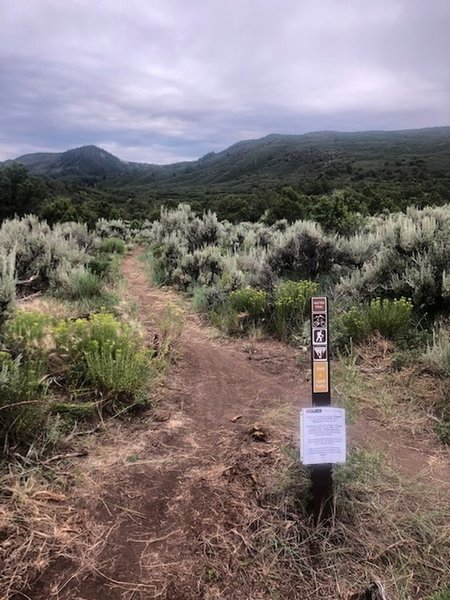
(320, 336)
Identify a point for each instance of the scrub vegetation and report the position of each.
(394, 265)
(80, 359)
(387, 279)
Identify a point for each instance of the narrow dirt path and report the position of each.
(142, 491)
(151, 491)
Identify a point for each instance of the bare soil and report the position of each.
(152, 488)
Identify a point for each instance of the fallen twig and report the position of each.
(62, 456)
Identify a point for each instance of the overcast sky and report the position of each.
(167, 80)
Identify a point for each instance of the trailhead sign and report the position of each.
(322, 427)
(320, 363)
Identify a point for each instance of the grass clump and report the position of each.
(83, 284)
(112, 245)
(100, 266)
(23, 376)
(443, 594)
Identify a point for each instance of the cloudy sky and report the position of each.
(167, 80)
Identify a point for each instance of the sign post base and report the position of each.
(322, 493)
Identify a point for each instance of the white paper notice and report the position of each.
(322, 435)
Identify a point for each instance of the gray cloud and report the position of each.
(165, 80)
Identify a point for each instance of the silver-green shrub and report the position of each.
(29, 239)
(43, 255)
(7, 284)
(306, 251)
(202, 267)
(407, 255)
(391, 256)
(437, 356)
(113, 228)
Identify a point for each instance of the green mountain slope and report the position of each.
(275, 157)
(287, 175)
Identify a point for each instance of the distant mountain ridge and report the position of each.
(275, 157)
(84, 162)
(323, 175)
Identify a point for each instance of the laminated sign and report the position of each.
(322, 435)
(319, 340)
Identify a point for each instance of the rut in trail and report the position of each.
(145, 497)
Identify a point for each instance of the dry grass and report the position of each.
(402, 397)
(243, 511)
(34, 524)
(256, 538)
(263, 544)
(47, 306)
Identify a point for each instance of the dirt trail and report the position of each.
(146, 490)
(137, 494)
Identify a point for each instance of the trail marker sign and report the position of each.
(320, 365)
(322, 427)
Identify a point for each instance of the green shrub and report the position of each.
(112, 245)
(209, 299)
(72, 337)
(100, 266)
(118, 370)
(390, 318)
(106, 355)
(22, 392)
(350, 327)
(24, 333)
(251, 304)
(291, 306)
(228, 320)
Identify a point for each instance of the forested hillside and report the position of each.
(331, 177)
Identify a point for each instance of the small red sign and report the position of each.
(319, 305)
